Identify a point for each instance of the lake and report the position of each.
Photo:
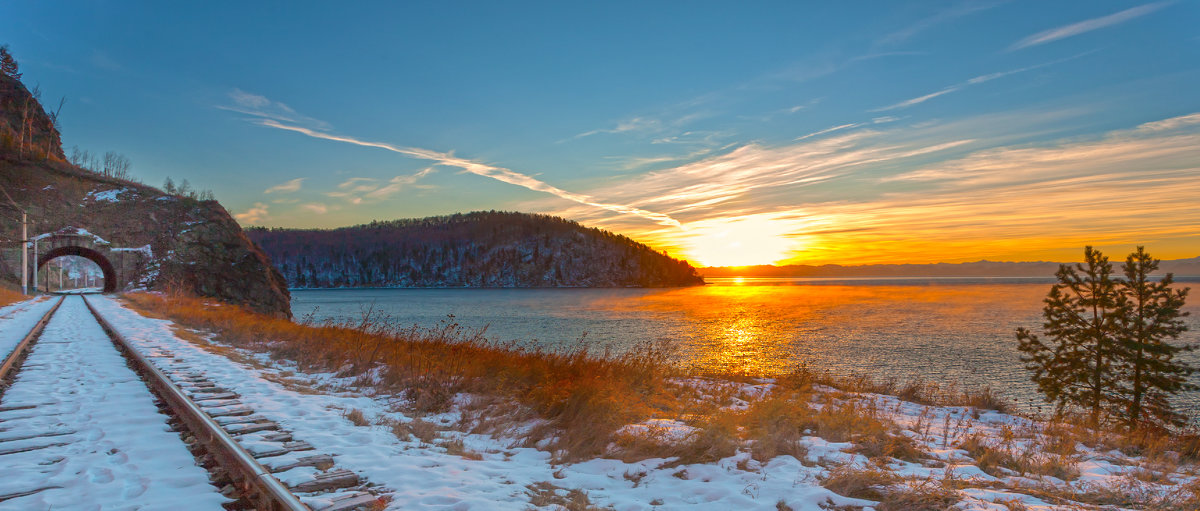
(949, 330)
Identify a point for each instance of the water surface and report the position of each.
(949, 330)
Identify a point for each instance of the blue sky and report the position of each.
(726, 133)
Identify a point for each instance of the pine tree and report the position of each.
(8, 65)
(1151, 316)
(1075, 367)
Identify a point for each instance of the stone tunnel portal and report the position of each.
(106, 266)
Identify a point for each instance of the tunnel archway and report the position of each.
(106, 266)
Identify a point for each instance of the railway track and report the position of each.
(69, 394)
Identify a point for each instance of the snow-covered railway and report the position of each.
(89, 422)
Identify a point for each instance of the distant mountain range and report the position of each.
(1180, 267)
(481, 249)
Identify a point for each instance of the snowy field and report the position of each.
(17, 319)
(79, 430)
(450, 469)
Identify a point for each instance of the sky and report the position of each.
(724, 133)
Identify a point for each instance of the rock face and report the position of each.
(196, 246)
(25, 129)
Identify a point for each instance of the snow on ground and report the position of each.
(17, 319)
(101, 442)
(426, 475)
(493, 473)
(106, 195)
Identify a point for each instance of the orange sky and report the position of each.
(818, 202)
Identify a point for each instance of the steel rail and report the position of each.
(18, 352)
(261, 488)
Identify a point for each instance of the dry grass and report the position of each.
(892, 492)
(999, 460)
(356, 417)
(920, 495)
(11, 296)
(455, 447)
(869, 483)
(573, 404)
(916, 391)
(544, 494)
(583, 398)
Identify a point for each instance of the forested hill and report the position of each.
(482, 249)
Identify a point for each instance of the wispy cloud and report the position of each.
(291, 186)
(635, 124)
(976, 81)
(481, 169)
(315, 207)
(944, 15)
(918, 194)
(358, 190)
(1170, 124)
(273, 114)
(253, 216)
(260, 107)
(841, 127)
(1085, 26)
(919, 99)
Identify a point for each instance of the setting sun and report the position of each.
(739, 242)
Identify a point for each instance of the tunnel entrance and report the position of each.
(106, 266)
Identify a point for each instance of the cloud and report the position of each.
(273, 114)
(254, 215)
(636, 124)
(919, 99)
(358, 190)
(263, 108)
(1170, 124)
(976, 81)
(315, 207)
(918, 194)
(1085, 26)
(481, 169)
(942, 16)
(286, 187)
(877, 120)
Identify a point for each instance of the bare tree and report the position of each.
(54, 125)
(26, 120)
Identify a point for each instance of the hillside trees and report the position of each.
(8, 64)
(1106, 348)
(482, 249)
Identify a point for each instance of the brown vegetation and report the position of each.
(575, 405)
(10, 296)
(583, 398)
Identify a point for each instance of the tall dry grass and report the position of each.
(583, 398)
(11, 296)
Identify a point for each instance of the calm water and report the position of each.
(956, 331)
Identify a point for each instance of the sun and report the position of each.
(739, 242)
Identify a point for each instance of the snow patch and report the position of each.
(106, 195)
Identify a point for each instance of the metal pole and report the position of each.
(24, 254)
(35, 266)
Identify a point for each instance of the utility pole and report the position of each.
(35, 266)
(24, 253)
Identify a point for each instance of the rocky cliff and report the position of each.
(196, 245)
